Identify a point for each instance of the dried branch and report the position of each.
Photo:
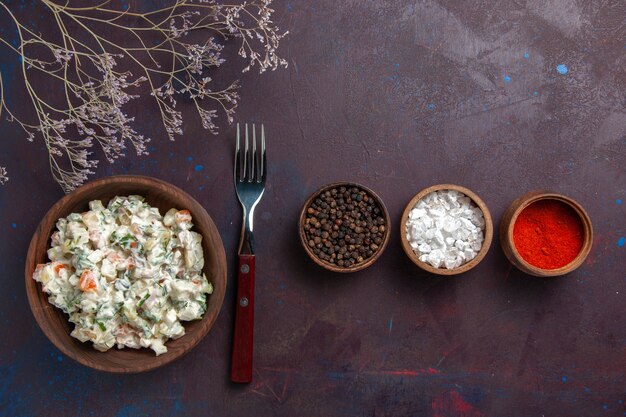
(84, 65)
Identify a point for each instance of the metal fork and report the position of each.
(250, 172)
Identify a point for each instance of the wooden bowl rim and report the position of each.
(325, 264)
(487, 237)
(33, 288)
(534, 196)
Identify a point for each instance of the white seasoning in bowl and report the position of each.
(445, 229)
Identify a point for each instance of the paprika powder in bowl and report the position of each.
(546, 234)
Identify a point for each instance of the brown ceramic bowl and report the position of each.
(508, 222)
(328, 265)
(54, 322)
(488, 232)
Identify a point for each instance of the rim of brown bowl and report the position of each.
(327, 265)
(486, 242)
(508, 222)
(55, 324)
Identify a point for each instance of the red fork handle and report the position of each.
(241, 364)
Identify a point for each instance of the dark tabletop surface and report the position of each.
(398, 96)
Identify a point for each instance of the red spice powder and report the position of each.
(548, 234)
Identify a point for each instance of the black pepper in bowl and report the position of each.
(344, 227)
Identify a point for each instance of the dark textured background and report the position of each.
(396, 95)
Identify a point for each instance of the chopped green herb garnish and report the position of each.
(102, 326)
(127, 240)
(143, 300)
(148, 316)
(146, 331)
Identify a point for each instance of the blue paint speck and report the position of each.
(178, 406)
(60, 358)
(587, 389)
(618, 202)
(605, 407)
(526, 55)
(431, 106)
(336, 376)
(190, 158)
(535, 93)
(14, 225)
(397, 65)
(621, 241)
(561, 69)
(199, 167)
(390, 325)
(507, 79)
(564, 378)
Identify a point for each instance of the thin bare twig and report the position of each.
(84, 64)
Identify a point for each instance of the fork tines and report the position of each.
(250, 167)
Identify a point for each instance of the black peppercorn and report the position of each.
(344, 226)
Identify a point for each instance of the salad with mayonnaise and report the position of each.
(126, 275)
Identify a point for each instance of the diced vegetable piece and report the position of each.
(88, 281)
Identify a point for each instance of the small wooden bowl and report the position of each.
(54, 322)
(488, 232)
(508, 222)
(357, 267)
